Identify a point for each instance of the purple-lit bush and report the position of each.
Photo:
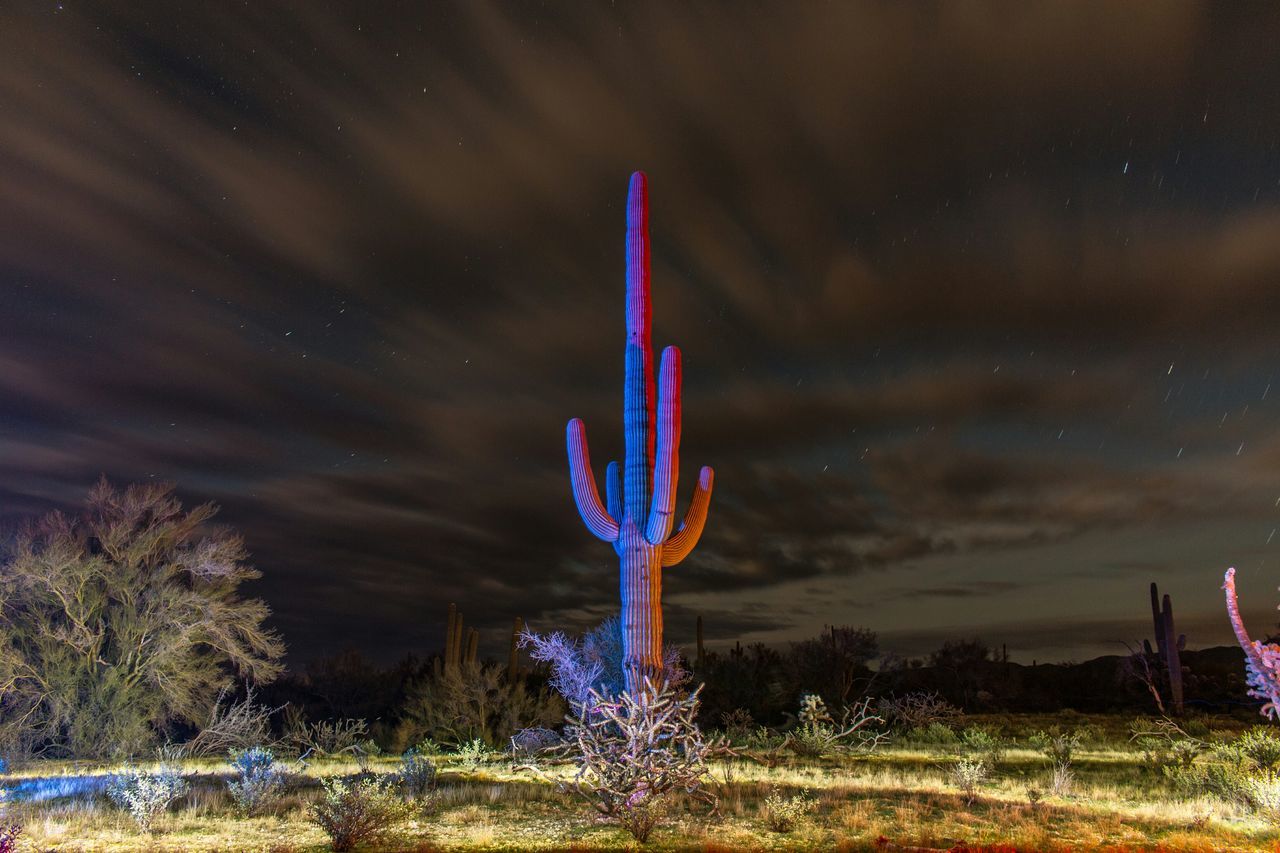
(593, 663)
(9, 837)
(259, 780)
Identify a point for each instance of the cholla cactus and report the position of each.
(641, 503)
(1262, 660)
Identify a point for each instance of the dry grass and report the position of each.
(897, 800)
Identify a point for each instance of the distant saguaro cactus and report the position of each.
(1261, 660)
(1169, 645)
(638, 518)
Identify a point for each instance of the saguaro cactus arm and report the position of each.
(613, 490)
(1262, 662)
(682, 541)
(666, 467)
(585, 493)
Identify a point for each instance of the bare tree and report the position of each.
(123, 620)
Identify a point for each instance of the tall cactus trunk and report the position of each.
(1173, 660)
(641, 590)
(1157, 618)
(637, 518)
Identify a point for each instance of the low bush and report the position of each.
(417, 775)
(783, 814)
(934, 734)
(352, 812)
(968, 774)
(146, 794)
(984, 742)
(259, 780)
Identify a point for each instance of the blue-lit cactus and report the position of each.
(639, 509)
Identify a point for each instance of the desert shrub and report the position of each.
(984, 742)
(818, 733)
(352, 812)
(1034, 796)
(233, 725)
(9, 832)
(1061, 779)
(417, 774)
(82, 594)
(259, 780)
(1058, 746)
(534, 740)
(475, 701)
(325, 738)
(1257, 750)
(1217, 780)
(934, 734)
(737, 724)
(783, 814)
(968, 774)
(917, 710)
(473, 752)
(1244, 771)
(634, 751)
(592, 664)
(146, 794)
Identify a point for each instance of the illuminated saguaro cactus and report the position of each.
(637, 518)
(1261, 660)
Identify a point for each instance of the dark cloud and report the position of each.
(953, 283)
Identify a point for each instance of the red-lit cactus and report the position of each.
(639, 510)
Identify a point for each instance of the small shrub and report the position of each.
(783, 814)
(473, 752)
(1258, 750)
(9, 837)
(636, 750)
(417, 775)
(641, 818)
(934, 734)
(968, 774)
(427, 746)
(146, 794)
(326, 738)
(357, 811)
(1061, 779)
(533, 741)
(737, 724)
(917, 710)
(1226, 782)
(984, 742)
(1264, 796)
(1034, 796)
(9, 833)
(259, 783)
(1058, 746)
(818, 734)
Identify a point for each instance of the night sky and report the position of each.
(979, 303)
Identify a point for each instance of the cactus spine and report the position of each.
(640, 510)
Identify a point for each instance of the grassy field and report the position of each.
(900, 798)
